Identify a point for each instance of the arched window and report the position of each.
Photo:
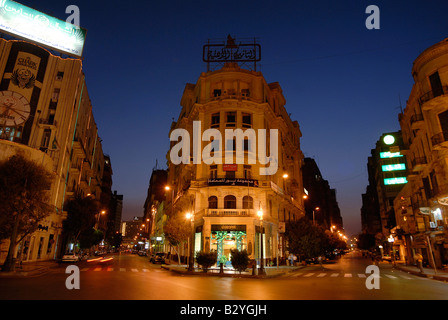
(213, 202)
(248, 202)
(229, 202)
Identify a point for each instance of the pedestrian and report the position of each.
(320, 261)
(291, 259)
(419, 259)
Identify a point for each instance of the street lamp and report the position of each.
(261, 271)
(315, 209)
(168, 188)
(190, 216)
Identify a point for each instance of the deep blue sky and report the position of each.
(342, 82)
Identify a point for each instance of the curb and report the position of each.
(423, 275)
(228, 275)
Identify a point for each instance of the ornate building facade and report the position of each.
(422, 206)
(46, 114)
(223, 196)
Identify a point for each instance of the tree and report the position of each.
(24, 195)
(81, 212)
(305, 239)
(239, 259)
(177, 230)
(206, 259)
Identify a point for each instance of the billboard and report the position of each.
(29, 24)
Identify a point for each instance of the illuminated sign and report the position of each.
(394, 167)
(389, 154)
(29, 24)
(231, 51)
(399, 180)
(389, 139)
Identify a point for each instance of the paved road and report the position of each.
(130, 277)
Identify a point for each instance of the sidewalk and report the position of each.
(215, 272)
(438, 274)
(30, 269)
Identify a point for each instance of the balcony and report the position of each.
(47, 123)
(439, 140)
(228, 212)
(417, 121)
(418, 164)
(428, 96)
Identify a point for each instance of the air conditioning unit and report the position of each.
(432, 224)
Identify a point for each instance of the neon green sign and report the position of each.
(29, 24)
(399, 180)
(389, 154)
(394, 167)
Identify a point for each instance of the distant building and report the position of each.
(320, 196)
(387, 173)
(153, 212)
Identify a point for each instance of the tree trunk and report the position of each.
(9, 262)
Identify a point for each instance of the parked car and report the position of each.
(158, 258)
(142, 253)
(70, 257)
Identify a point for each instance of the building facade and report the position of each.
(321, 205)
(49, 119)
(387, 171)
(225, 196)
(421, 207)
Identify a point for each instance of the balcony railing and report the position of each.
(228, 212)
(419, 163)
(431, 95)
(439, 138)
(416, 118)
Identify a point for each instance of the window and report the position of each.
(215, 120)
(230, 174)
(231, 119)
(213, 172)
(213, 202)
(436, 84)
(248, 202)
(217, 92)
(46, 139)
(247, 172)
(229, 202)
(245, 92)
(247, 120)
(55, 96)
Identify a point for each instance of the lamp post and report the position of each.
(261, 271)
(315, 209)
(168, 188)
(190, 217)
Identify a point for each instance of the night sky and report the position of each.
(342, 82)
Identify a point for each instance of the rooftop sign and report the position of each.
(29, 24)
(230, 51)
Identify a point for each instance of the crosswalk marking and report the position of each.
(122, 269)
(334, 275)
(361, 275)
(347, 275)
(390, 276)
(134, 270)
(308, 274)
(321, 275)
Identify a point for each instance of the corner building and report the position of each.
(225, 198)
(422, 205)
(52, 123)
